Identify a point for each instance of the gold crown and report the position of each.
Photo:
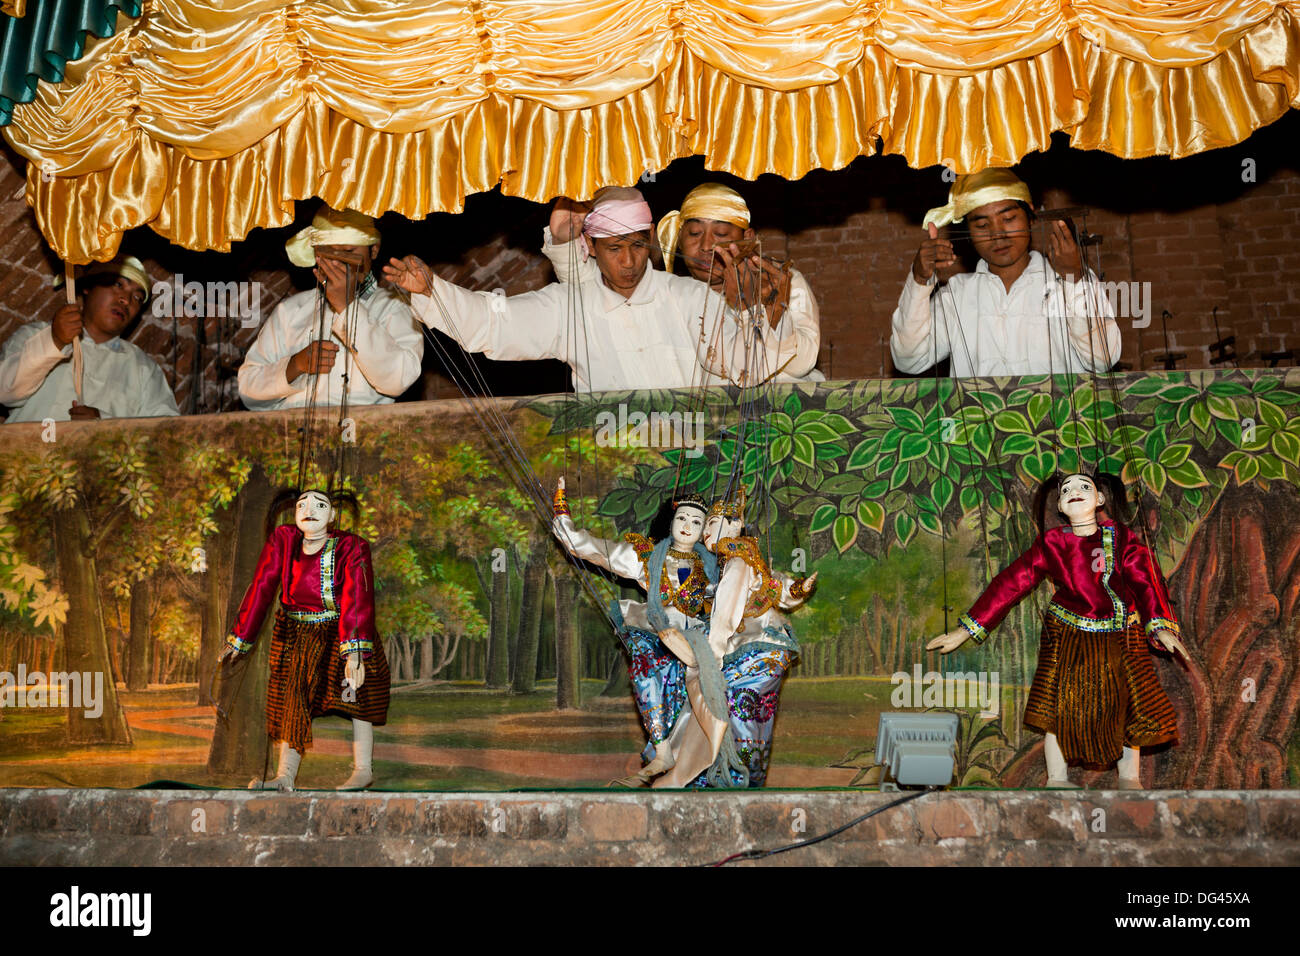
(733, 510)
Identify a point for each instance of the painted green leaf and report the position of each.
(830, 452)
(840, 424)
(991, 401)
(872, 515)
(1271, 413)
(1232, 388)
(930, 523)
(1271, 468)
(1040, 467)
(843, 485)
(1180, 393)
(845, 532)
(1145, 386)
(1153, 475)
(1187, 474)
(904, 528)
(1011, 421)
(1165, 413)
(1287, 447)
(1039, 405)
(817, 431)
(792, 405)
(863, 454)
(1076, 433)
(969, 499)
(891, 440)
(805, 453)
(1247, 468)
(885, 464)
(809, 505)
(875, 489)
(781, 448)
(941, 491)
(1019, 396)
(1175, 455)
(899, 476)
(906, 419)
(1019, 445)
(1201, 415)
(1193, 497)
(1221, 407)
(823, 518)
(913, 446)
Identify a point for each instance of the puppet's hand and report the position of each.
(228, 653)
(947, 643)
(354, 671)
(1170, 642)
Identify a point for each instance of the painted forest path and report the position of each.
(569, 768)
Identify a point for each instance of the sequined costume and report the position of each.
(752, 641)
(1095, 687)
(326, 612)
(657, 676)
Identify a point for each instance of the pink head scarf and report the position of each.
(617, 211)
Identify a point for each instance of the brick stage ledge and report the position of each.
(1012, 827)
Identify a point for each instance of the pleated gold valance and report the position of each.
(207, 119)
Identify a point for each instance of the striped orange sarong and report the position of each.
(1098, 692)
(307, 681)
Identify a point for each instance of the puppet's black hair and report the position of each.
(286, 498)
(1046, 511)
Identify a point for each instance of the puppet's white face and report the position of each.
(688, 525)
(1080, 498)
(313, 514)
(718, 527)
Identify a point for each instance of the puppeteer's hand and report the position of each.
(740, 282)
(775, 290)
(1064, 251)
(947, 643)
(78, 411)
(354, 671)
(333, 276)
(567, 217)
(409, 273)
(1170, 642)
(66, 325)
(315, 359)
(934, 253)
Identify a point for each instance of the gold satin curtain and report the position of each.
(208, 119)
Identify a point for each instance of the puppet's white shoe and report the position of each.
(284, 776)
(363, 748)
(1130, 783)
(1061, 785)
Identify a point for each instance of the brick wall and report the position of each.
(1196, 229)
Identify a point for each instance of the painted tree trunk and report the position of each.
(1237, 596)
(85, 639)
(498, 664)
(239, 744)
(566, 640)
(217, 585)
(530, 622)
(140, 655)
(426, 658)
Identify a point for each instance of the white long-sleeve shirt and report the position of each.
(118, 378)
(646, 341)
(389, 349)
(734, 342)
(1042, 324)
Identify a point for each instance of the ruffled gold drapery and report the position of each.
(207, 119)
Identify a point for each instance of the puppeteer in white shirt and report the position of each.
(118, 379)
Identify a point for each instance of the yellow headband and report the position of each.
(128, 267)
(706, 201)
(331, 228)
(970, 192)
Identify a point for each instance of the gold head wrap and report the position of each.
(705, 201)
(331, 228)
(733, 510)
(972, 191)
(128, 267)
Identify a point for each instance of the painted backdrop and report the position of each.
(126, 546)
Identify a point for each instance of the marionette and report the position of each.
(683, 572)
(734, 676)
(1095, 694)
(326, 657)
